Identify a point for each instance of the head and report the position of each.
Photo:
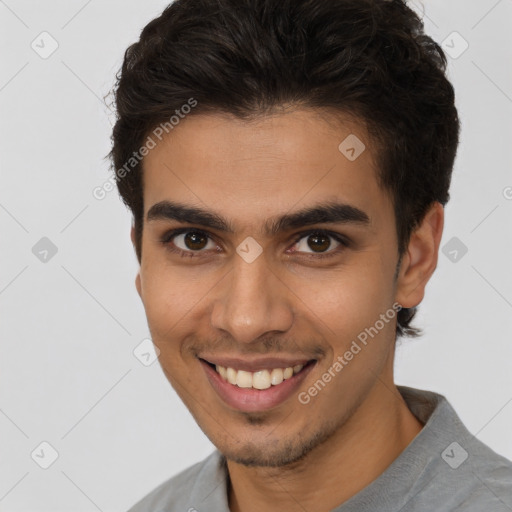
(248, 116)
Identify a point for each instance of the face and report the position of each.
(265, 248)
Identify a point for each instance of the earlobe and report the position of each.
(420, 260)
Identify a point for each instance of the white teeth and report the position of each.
(287, 373)
(223, 372)
(231, 375)
(262, 379)
(244, 379)
(276, 377)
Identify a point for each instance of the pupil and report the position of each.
(193, 240)
(317, 242)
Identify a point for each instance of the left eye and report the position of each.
(319, 242)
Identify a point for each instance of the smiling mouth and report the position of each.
(262, 379)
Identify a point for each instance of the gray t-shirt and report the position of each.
(444, 468)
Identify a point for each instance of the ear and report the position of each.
(420, 259)
(137, 278)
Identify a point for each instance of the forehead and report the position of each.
(249, 171)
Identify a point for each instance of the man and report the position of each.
(287, 163)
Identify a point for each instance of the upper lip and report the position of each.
(253, 365)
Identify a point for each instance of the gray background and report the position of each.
(69, 325)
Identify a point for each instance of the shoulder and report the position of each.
(490, 475)
(458, 472)
(473, 476)
(178, 493)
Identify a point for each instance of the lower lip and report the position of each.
(254, 400)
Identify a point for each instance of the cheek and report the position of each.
(348, 300)
(168, 296)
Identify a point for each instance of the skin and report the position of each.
(294, 456)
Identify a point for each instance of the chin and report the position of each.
(276, 453)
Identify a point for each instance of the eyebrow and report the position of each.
(329, 213)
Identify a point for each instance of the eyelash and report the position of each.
(167, 237)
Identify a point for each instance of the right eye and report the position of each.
(186, 241)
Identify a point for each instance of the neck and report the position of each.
(333, 472)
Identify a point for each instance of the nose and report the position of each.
(252, 301)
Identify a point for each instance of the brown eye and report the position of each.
(195, 241)
(316, 242)
(319, 242)
(191, 241)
